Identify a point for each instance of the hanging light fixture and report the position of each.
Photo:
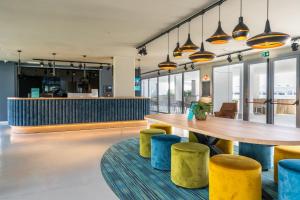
(241, 31)
(202, 55)
(177, 51)
(189, 46)
(167, 65)
(268, 39)
(219, 37)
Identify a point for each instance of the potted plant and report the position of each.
(201, 109)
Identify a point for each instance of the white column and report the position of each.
(123, 75)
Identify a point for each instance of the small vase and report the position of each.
(201, 117)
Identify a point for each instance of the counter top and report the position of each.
(66, 98)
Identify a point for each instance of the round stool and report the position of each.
(234, 177)
(189, 164)
(161, 150)
(145, 140)
(289, 179)
(284, 152)
(261, 153)
(165, 127)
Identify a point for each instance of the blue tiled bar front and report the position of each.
(59, 111)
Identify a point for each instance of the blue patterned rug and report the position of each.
(131, 177)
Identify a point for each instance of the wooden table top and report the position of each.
(236, 130)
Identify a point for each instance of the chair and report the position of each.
(228, 110)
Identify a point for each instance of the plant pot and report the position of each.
(201, 117)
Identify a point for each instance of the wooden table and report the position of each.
(236, 130)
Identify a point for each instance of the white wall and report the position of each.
(124, 74)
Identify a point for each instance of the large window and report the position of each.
(176, 93)
(145, 88)
(191, 88)
(163, 92)
(153, 94)
(228, 86)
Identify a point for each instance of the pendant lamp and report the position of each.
(167, 65)
(202, 55)
(219, 37)
(189, 46)
(268, 39)
(241, 31)
(177, 51)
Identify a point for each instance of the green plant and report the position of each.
(201, 109)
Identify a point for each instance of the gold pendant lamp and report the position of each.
(219, 37)
(189, 46)
(241, 31)
(177, 51)
(268, 39)
(167, 65)
(202, 55)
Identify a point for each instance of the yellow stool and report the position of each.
(165, 127)
(145, 140)
(189, 164)
(284, 152)
(225, 145)
(234, 177)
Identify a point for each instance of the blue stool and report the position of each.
(161, 150)
(261, 153)
(289, 179)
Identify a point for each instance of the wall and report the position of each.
(7, 86)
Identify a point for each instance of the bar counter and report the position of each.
(83, 112)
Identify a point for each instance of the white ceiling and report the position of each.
(105, 28)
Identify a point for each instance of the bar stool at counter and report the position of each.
(165, 127)
(145, 140)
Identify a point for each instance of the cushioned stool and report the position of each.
(284, 152)
(145, 140)
(225, 145)
(165, 127)
(189, 164)
(161, 150)
(261, 153)
(289, 179)
(234, 177)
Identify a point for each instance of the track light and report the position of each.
(229, 59)
(185, 68)
(192, 66)
(295, 46)
(49, 64)
(42, 64)
(80, 65)
(71, 65)
(108, 68)
(142, 51)
(240, 57)
(101, 67)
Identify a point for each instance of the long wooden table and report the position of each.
(236, 130)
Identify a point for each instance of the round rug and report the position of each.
(131, 177)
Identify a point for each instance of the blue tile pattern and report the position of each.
(35, 112)
(131, 177)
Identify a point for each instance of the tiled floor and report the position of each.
(56, 165)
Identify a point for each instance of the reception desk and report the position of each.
(27, 115)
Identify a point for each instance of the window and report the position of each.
(176, 93)
(145, 87)
(153, 94)
(191, 88)
(163, 98)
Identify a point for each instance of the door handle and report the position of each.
(287, 104)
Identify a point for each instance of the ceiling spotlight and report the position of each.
(142, 51)
(42, 64)
(71, 65)
(80, 65)
(268, 39)
(49, 64)
(295, 46)
(185, 68)
(108, 68)
(240, 57)
(101, 67)
(229, 59)
(158, 73)
(192, 66)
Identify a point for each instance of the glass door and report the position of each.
(153, 94)
(176, 93)
(284, 92)
(257, 97)
(163, 94)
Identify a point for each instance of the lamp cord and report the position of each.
(219, 12)
(168, 43)
(267, 9)
(241, 8)
(178, 34)
(202, 28)
(189, 27)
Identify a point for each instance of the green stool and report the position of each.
(165, 127)
(189, 164)
(145, 140)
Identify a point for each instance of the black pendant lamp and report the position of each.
(189, 46)
(177, 51)
(241, 31)
(202, 55)
(167, 65)
(219, 37)
(268, 39)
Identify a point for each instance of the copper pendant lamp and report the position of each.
(241, 31)
(189, 46)
(202, 55)
(219, 37)
(177, 51)
(268, 39)
(167, 65)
